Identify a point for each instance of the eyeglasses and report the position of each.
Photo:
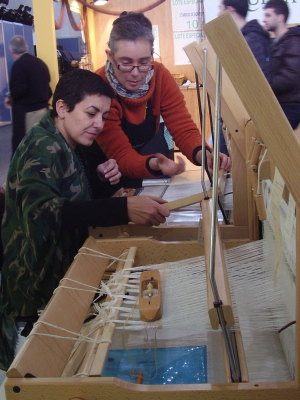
(130, 67)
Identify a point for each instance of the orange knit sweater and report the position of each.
(167, 101)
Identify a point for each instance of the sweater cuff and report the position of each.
(155, 173)
(103, 212)
(196, 151)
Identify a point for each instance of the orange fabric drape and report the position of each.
(65, 4)
(108, 12)
(59, 24)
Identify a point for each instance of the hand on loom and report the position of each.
(166, 165)
(109, 171)
(144, 210)
(224, 160)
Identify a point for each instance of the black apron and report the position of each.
(144, 140)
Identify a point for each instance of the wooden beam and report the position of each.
(44, 27)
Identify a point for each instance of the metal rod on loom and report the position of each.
(228, 336)
(202, 113)
(203, 121)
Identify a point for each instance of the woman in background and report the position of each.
(145, 92)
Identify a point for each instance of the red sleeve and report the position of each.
(173, 109)
(168, 101)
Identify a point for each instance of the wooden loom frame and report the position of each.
(237, 121)
(244, 223)
(280, 140)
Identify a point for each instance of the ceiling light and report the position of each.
(100, 2)
(75, 7)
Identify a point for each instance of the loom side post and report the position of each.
(228, 336)
(215, 263)
(220, 271)
(222, 315)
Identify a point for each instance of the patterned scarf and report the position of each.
(120, 89)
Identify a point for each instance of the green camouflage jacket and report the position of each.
(45, 172)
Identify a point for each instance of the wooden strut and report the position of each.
(185, 201)
(253, 145)
(198, 197)
(174, 204)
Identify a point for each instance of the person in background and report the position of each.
(285, 59)
(256, 37)
(29, 89)
(49, 205)
(145, 92)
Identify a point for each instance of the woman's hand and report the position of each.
(224, 160)
(145, 210)
(109, 171)
(166, 165)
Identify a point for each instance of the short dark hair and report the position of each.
(130, 26)
(279, 7)
(75, 85)
(240, 6)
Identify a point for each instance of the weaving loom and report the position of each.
(259, 277)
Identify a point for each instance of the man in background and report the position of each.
(257, 38)
(29, 89)
(285, 59)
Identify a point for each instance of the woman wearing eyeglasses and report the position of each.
(145, 90)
